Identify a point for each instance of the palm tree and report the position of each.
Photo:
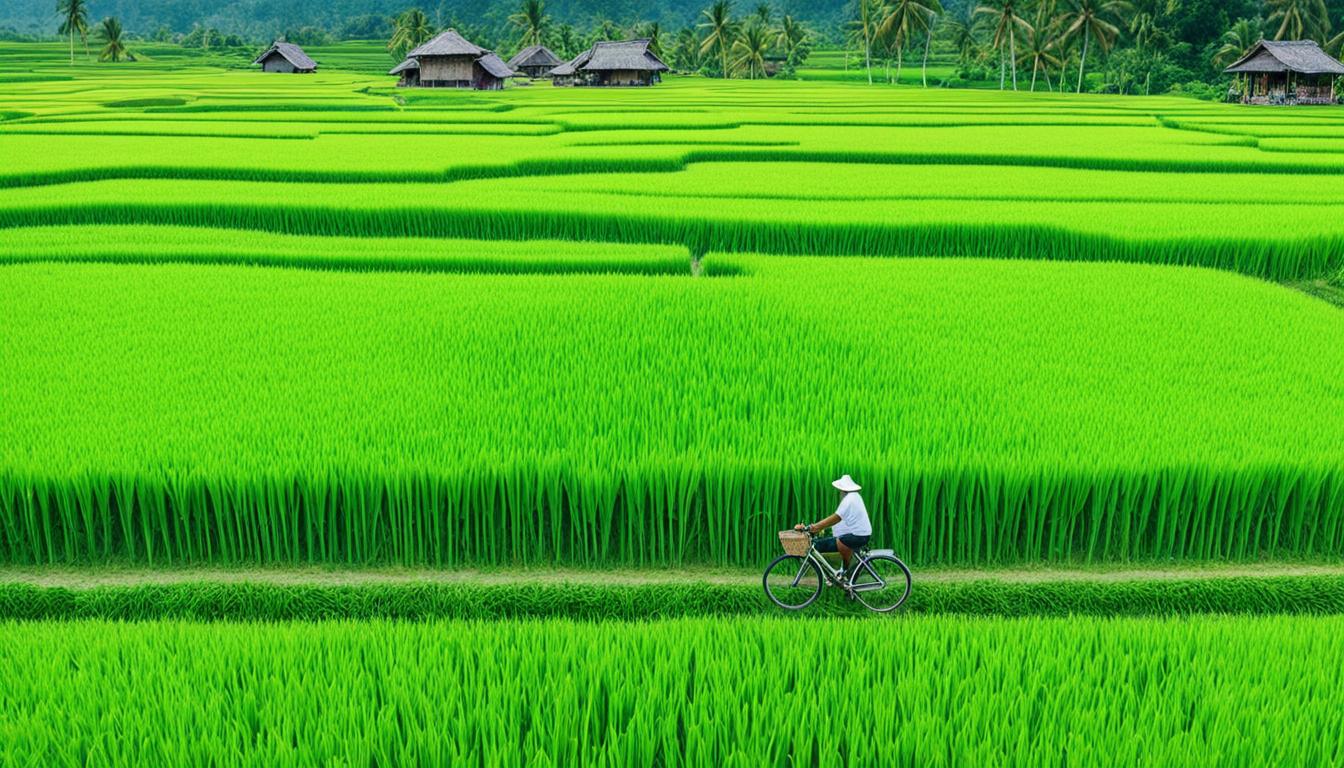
(409, 30)
(653, 32)
(566, 41)
(933, 13)
(1007, 23)
(113, 47)
(686, 51)
(1299, 19)
(764, 14)
(900, 20)
(720, 30)
(1040, 47)
(1145, 20)
(790, 37)
(74, 21)
(607, 31)
(962, 35)
(1237, 40)
(1088, 19)
(863, 31)
(531, 21)
(751, 47)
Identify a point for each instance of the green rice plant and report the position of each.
(541, 597)
(994, 412)
(169, 245)
(940, 691)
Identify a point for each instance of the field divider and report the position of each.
(258, 601)
(1273, 259)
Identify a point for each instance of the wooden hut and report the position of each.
(451, 61)
(1289, 72)
(285, 57)
(625, 62)
(535, 61)
(408, 73)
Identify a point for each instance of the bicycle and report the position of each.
(794, 580)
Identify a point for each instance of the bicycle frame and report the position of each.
(833, 574)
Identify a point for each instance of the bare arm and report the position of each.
(820, 525)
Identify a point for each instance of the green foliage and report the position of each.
(938, 691)
(242, 601)
(1006, 412)
(562, 368)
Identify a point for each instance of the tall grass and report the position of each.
(533, 595)
(1305, 256)
(184, 245)
(994, 413)
(744, 692)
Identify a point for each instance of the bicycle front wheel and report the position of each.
(881, 583)
(792, 582)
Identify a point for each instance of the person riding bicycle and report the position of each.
(852, 528)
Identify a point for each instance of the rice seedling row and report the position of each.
(996, 413)
(940, 691)
(533, 596)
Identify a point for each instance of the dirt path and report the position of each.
(88, 577)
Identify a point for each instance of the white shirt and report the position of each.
(853, 517)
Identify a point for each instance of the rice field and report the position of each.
(644, 326)
(941, 691)
(253, 323)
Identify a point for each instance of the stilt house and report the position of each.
(1292, 72)
(535, 61)
(285, 57)
(451, 61)
(627, 62)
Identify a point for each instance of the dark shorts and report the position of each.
(827, 543)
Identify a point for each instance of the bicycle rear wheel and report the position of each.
(792, 582)
(881, 583)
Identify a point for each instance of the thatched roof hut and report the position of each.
(625, 62)
(285, 57)
(409, 71)
(1287, 72)
(535, 61)
(451, 61)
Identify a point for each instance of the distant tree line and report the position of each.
(1118, 46)
(721, 44)
(1136, 46)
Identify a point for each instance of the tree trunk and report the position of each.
(1003, 73)
(1082, 63)
(924, 67)
(868, 57)
(1035, 65)
(1012, 46)
(900, 51)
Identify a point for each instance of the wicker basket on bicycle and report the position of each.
(795, 542)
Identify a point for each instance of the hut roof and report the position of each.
(494, 65)
(1301, 56)
(605, 56)
(292, 53)
(534, 56)
(447, 43)
(405, 65)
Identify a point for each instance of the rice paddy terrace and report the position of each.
(264, 321)
(491, 304)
